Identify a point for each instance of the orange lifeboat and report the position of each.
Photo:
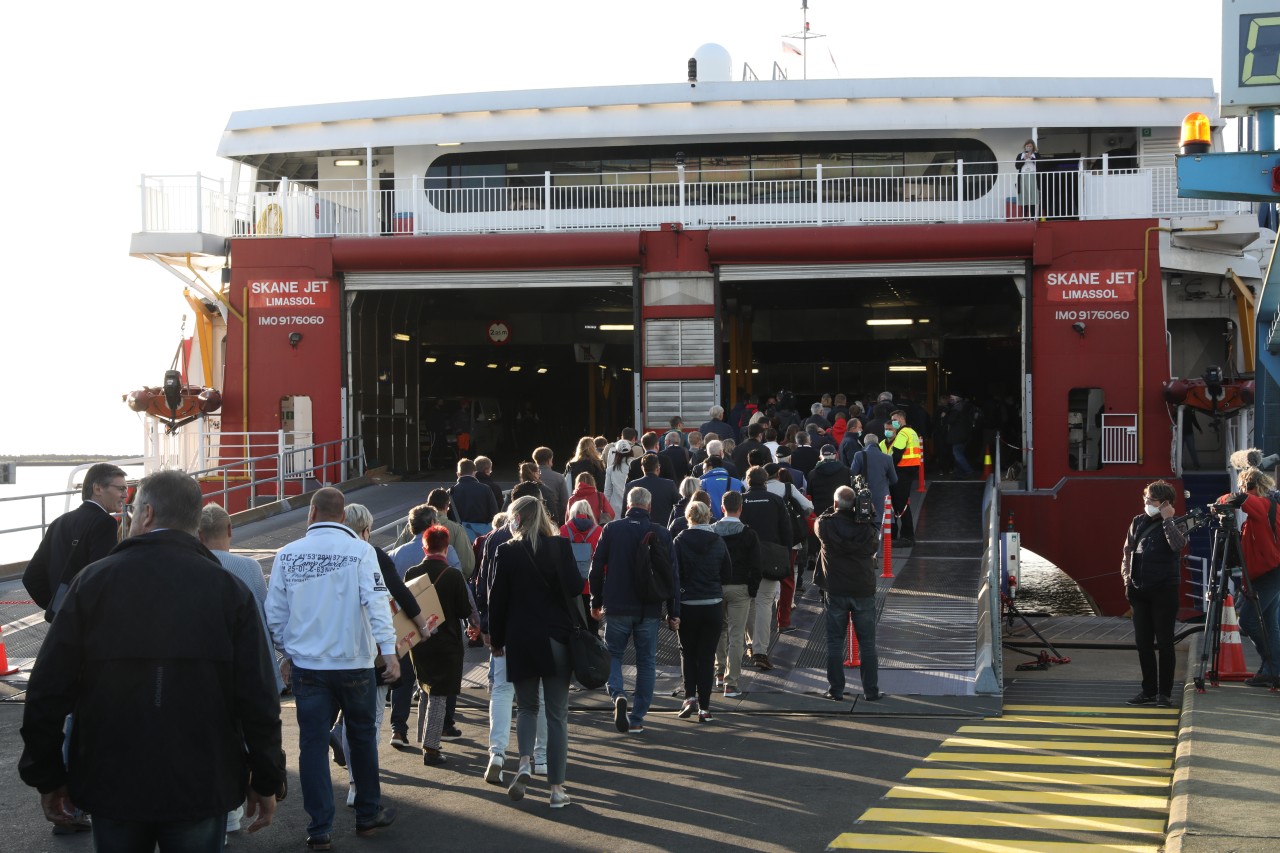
(174, 404)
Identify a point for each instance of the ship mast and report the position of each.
(804, 35)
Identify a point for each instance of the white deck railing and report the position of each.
(963, 192)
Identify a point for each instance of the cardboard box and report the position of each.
(407, 634)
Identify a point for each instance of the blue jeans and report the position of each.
(319, 694)
(962, 461)
(643, 632)
(863, 610)
(1267, 588)
(186, 836)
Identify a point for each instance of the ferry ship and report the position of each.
(527, 267)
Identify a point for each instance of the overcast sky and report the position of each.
(98, 94)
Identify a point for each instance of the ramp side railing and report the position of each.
(989, 661)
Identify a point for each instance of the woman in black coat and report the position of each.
(703, 567)
(437, 660)
(535, 577)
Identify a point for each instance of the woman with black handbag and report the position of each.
(534, 579)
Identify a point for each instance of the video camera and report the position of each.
(1197, 517)
(864, 505)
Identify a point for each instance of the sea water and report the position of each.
(37, 480)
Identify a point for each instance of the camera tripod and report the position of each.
(1226, 544)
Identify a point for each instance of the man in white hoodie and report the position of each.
(327, 607)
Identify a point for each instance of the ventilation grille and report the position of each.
(680, 343)
(691, 399)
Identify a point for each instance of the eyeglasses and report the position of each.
(124, 489)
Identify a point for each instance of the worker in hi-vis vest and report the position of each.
(903, 444)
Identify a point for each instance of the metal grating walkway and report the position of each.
(930, 616)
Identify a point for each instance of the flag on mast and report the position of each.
(791, 48)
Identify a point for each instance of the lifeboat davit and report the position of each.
(174, 404)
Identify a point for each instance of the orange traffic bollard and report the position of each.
(886, 538)
(5, 669)
(854, 658)
(920, 479)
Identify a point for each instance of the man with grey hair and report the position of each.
(847, 577)
(326, 593)
(717, 425)
(629, 619)
(484, 473)
(816, 418)
(177, 721)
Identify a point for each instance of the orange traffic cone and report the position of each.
(886, 538)
(1230, 652)
(5, 669)
(987, 465)
(854, 658)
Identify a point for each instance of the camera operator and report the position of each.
(847, 576)
(1150, 567)
(1261, 552)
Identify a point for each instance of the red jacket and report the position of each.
(1258, 540)
(598, 502)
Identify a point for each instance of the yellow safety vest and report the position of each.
(909, 442)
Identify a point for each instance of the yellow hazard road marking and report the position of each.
(1159, 722)
(1144, 710)
(1064, 731)
(947, 844)
(1008, 820)
(1057, 798)
(1031, 777)
(1052, 760)
(1053, 745)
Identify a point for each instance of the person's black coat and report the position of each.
(804, 457)
(577, 466)
(528, 603)
(74, 540)
(744, 553)
(160, 654)
(635, 472)
(702, 566)
(437, 660)
(827, 476)
(488, 480)
(765, 513)
(472, 501)
(742, 451)
(664, 492)
(846, 561)
(677, 462)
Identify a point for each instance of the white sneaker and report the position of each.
(686, 710)
(493, 773)
(559, 799)
(539, 768)
(351, 796)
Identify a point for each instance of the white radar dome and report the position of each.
(713, 63)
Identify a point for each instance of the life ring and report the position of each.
(271, 221)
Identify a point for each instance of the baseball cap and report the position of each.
(828, 450)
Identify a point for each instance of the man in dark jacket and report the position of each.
(847, 576)
(744, 553)
(750, 443)
(484, 473)
(473, 502)
(663, 493)
(766, 514)
(959, 419)
(676, 458)
(77, 538)
(649, 441)
(805, 455)
(877, 466)
(716, 426)
(827, 476)
(851, 443)
(177, 719)
(613, 591)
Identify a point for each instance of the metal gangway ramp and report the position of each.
(931, 623)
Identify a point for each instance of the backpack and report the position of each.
(652, 576)
(581, 554)
(795, 512)
(715, 483)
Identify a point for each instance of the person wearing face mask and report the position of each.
(1150, 566)
(1028, 191)
(903, 444)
